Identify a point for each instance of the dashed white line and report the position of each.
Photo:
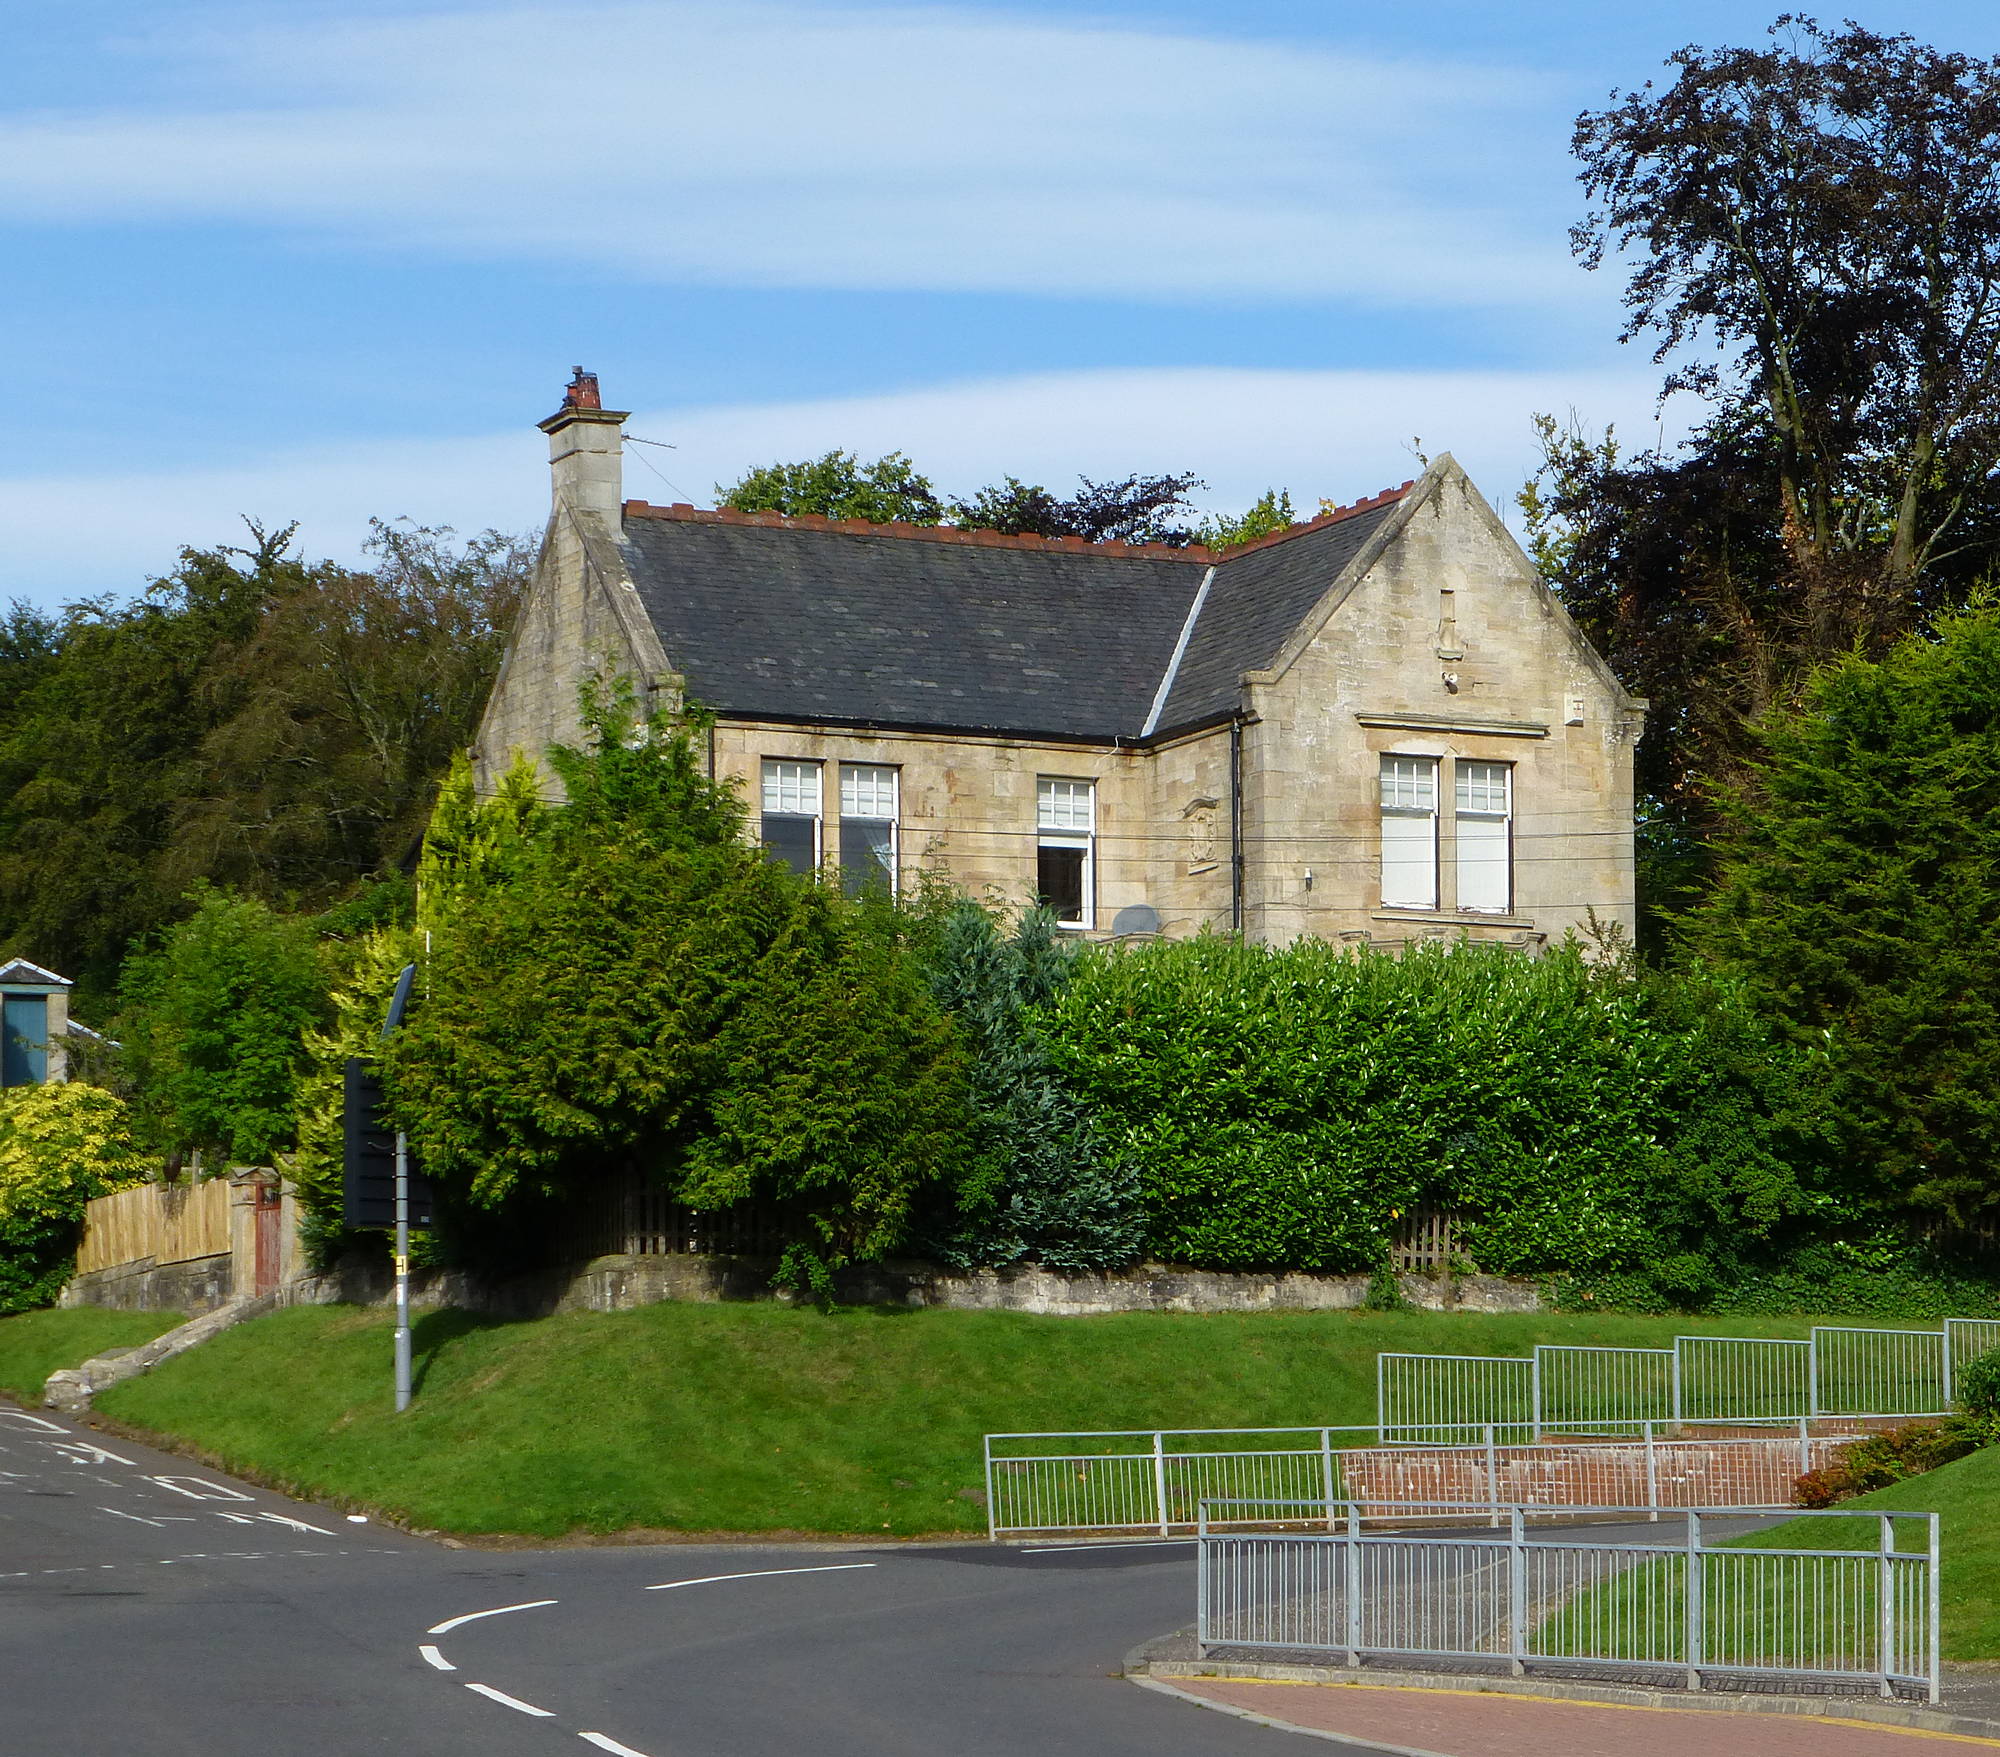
(506, 1701)
(451, 1623)
(139, 1517)
(433, 1657)
(611, 1745)
(754, 1574)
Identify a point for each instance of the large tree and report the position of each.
(1858, 898)
(1811, 236)
(891, 489)
(252, 719)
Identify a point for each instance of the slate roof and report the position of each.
(814, 620)
(19, 973)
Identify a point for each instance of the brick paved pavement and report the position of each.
(1442, 1723)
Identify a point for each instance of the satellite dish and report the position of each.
(1135, 918)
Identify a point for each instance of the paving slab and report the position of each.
(1427, 1722)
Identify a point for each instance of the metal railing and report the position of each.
(1835, 1371)
(1687, 1611)
(1154, 1480)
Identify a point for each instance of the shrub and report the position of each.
(1889, 1456)
(1286, 1106)
(622, 980)
(1978, 1386)
(59, 1146)
(1042, 1183)
(213, 1016)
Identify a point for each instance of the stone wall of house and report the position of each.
(581, 619)
(969, 810)
(1525, 689)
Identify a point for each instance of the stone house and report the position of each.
(1376, 726)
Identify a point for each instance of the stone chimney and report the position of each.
(586, 447)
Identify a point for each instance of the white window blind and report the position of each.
(1409, 832)
(1484, 800)
(791, 788)
(1065, 805)
(867, 790)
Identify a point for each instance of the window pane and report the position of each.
(867, 854)
(1059, 881)
(791, 841)
(1483, 866)
(1064, 805)
(791, 788)
(1409, 860)
(867, 791)
(1409, 783)
(1482, 787)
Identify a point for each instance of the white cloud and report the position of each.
(841, 147)
(1334, 433)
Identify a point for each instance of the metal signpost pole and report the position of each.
(402, 1272)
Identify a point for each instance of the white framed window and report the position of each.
(791, 826)
(1409, 787)
(1484, 830)
(1066, 849)
(868, 814)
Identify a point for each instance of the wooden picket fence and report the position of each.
(170, 1223)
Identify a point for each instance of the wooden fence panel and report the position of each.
(170, 1223)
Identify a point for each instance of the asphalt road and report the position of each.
(150, 1608)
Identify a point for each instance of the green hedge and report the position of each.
(1286, 1107)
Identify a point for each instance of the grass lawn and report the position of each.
(36, 1344)
(761, 1417)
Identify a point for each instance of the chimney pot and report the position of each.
(582, 391)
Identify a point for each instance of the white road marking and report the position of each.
(32, 1421)
(139, 1517)
(87, 1453)
(295, 1524)
(506, 1701)
(236, 1518)
(437, 1659)
(755, 1574)
(611, 1745)
(451, 1623)
(203, 1489)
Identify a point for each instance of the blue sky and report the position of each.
(321, 260)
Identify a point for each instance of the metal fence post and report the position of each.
(1352, 1575)
(1160, 1478)
(992, 1530)
(1652, 1476)
(1931, 1594)
(1678, 1340)
(1885, 1604)
(1326, 1473)
(1694, 1598)
(1492, 1479)
(1201, 1581)
(1805, 1444)
(1517, 1592)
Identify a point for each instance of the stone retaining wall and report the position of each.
(623, 1283)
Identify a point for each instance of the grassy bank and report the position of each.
(761, 1417)
(36, 1344)
(1966, 1496)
